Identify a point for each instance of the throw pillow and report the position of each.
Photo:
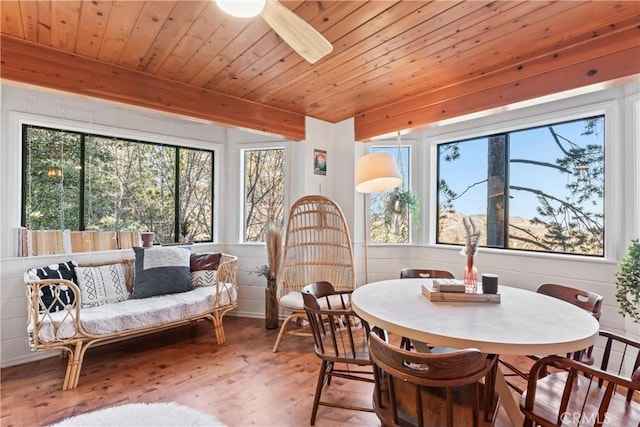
(48, 300)
(204, 278)
(102, 285)
(161, 270)
(204, 268)
(205, 261)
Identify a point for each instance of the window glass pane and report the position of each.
(557, 187)
(130, 186)
(389, 217)
(263, 191)
(52, 179)
(462, 188)
(545, 183)
(196, 203)
(97, 185)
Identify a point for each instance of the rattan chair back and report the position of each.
(317, 246)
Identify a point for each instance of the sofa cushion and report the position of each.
(102, 285)
(136, 313)
(161, 270)
(63, 270)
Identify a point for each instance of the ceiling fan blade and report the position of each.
(296, 32)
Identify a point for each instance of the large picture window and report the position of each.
(537, 189)
(264, 179)
(79, 181)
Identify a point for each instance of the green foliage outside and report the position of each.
(128, 186)
(628, 283)
(264, 191)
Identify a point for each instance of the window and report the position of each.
(537, 189)
(79, 181)
(389, 213)
(264, 178)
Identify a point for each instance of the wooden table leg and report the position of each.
(508, 402)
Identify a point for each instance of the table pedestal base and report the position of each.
(510, 405)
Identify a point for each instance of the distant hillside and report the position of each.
(452, 230)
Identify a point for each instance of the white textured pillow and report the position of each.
(204, 277)
(102, 285)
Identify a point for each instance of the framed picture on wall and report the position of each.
(319, 162)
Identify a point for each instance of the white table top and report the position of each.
(522, 323)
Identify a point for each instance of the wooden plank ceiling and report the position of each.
(395, 64)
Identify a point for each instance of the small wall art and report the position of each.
(319, 162)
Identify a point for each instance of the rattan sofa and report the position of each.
(75, 329)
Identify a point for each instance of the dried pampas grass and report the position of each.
(472, 239)
(273, 240)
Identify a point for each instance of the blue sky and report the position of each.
(533, 144)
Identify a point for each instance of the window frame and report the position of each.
(531, 117)
(88, 128)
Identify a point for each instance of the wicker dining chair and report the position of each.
(432, 389)
(317, 248)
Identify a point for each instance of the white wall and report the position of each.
(521, 270)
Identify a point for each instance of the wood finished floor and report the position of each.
(241, 383)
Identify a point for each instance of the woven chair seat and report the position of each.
(293, 301)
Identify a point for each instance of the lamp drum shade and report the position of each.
(377, 172)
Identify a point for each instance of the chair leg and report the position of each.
(283, 331)
(316, 398)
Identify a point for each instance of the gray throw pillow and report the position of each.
(161, 270)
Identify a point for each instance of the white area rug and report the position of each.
(142, 415)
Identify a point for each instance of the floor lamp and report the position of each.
(375, 172)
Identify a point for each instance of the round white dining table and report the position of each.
(523, 323)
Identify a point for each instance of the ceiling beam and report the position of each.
(35, 64)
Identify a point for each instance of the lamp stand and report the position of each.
(366, 250)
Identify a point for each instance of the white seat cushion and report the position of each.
(136, 313)
(293, 301)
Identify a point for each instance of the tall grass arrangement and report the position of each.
(273, 240)
(472, 239)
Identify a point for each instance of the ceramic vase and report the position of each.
(271, 305)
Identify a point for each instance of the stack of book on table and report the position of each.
(454, 290)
